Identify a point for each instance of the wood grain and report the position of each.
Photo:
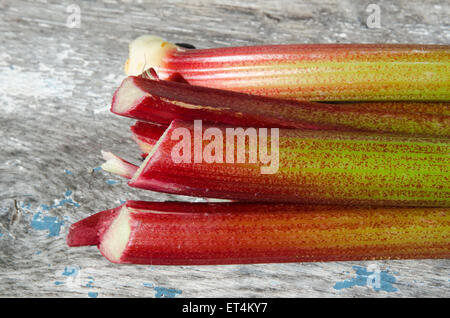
(56, 87)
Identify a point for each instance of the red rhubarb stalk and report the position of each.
(319, 72)
(147, 135)
(163, 101)
(317, 167)
(183, 233)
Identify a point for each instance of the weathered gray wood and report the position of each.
(56, 86)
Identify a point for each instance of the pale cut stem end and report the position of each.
(115, 240)
(126, 97)
(146, 148)
(146, 51)
(149, 155)
(118, 166)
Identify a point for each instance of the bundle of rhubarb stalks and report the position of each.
(357, 168)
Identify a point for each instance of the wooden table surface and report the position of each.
(57, 78)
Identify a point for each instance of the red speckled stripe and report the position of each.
(320, 71)
(321, 167)
(183, 233)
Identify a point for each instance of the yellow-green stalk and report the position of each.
(317, 72)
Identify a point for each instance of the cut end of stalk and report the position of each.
(115, 239)
(117, 165)
(145, 147)
(126, 97)
(146, 135)
(87, 231)
(146, 51)
(134, 179)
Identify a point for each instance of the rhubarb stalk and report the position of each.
(317, 72)
(117, 165)
(317, 167)
(163, 101)
(183, 233)
(147, 135)
(430, 108)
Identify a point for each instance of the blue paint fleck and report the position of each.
(97, 169)
(92, 295)
(362, 275)
(122, 201)
(112, 182)
(24, 206)
(148, 285)
(50, 223)
(67, 200)
(1, 234)
(90, 284)
(57, 283)
(37, 252)
(162, 292)
(67, 171)
(70, 271)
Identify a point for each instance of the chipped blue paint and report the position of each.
(67, 200)
(26, 206)
(70, 271)
(57, 283)
(90, 284)
(92, 295)
(97, 169)
(37, 252)
(44, 207)
(112, 182)
(362, 276)
(162, 292)
(67, 171)
(122, 201)
(1, 234)
(51, 223)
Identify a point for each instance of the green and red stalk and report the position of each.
(163, 101)
(314, 167)
(184, 233)
(430, 108)
(316, 72)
